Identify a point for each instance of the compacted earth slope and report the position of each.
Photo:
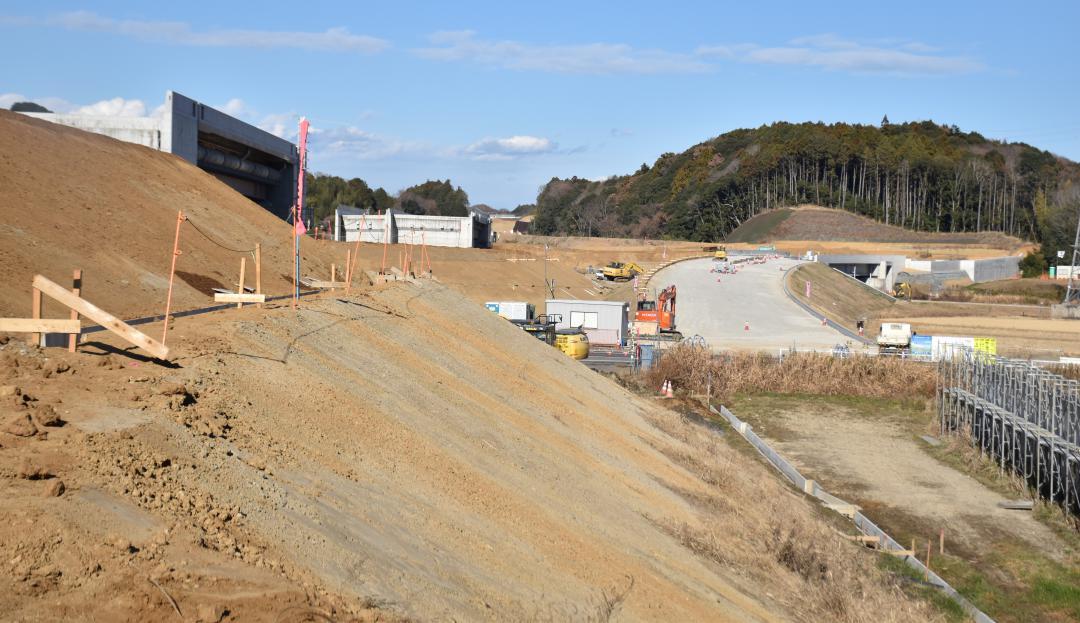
(72, 199)
(398, 453)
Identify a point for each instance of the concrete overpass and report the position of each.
(252, 161)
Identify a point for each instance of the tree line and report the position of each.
(324, 193)
(921, 175)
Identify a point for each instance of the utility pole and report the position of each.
(1072, 293)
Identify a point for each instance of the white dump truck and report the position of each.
(895, 337)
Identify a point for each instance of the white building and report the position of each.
(352, 224)
(605, 322)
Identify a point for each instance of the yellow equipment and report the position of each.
(720, 254)
(903, 291)
(619, 271)
(573, 342)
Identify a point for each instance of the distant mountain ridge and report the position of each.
(921, 176)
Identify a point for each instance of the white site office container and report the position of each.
(512, 310)
(605, 322)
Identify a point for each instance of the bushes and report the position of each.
(693, 368)
(1033, 264)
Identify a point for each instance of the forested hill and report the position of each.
(921, 176)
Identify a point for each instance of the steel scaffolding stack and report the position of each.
(1023, 417)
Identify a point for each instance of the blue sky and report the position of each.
(500, 97)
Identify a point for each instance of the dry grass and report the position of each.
(753, 525)
(694, 369)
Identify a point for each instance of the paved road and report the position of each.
(718, 306)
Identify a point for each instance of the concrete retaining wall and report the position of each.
(992, 269)
(145, 131)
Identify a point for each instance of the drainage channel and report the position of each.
(862, 522)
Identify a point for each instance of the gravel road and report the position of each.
(717, 307)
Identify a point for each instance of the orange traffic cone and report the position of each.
(663, 388)
(670, 393)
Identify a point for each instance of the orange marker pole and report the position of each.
(172, 274)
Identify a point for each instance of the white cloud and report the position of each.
(511, 146)
(826, 51)
(362, 144)
(834, 53)
(588, 58)
(181, 33)
(115, 107)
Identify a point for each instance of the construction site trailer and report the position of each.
(512, 310)
(605, 322)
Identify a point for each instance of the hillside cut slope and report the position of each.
(816, 223)
(72, 199)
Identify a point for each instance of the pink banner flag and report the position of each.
(300, 228)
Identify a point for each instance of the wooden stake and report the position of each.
(240, 290)
(258, 270)
(35, 313)
(333, 272)
(172, 273)
(76, 289)
(926, 575)
(941, 542)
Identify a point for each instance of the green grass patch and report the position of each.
(911, 582)
(757, 229)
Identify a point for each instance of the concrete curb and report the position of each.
(862, 522)
(810, 310)
(652, 273)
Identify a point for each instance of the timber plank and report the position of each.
(236, 297)
(39, 325)
(102, 317)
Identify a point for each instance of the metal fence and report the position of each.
(1022, 416)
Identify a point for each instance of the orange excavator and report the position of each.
(661, 311)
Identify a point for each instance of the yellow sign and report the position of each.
(986, 345)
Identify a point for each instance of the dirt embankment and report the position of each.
(391, 453)
(1021, 330)
(71, 199)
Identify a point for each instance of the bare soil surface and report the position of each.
(400, 450)
(81, 200)
(876, 461)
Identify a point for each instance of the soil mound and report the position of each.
(72, 199)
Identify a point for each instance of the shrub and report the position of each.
(694, 368)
